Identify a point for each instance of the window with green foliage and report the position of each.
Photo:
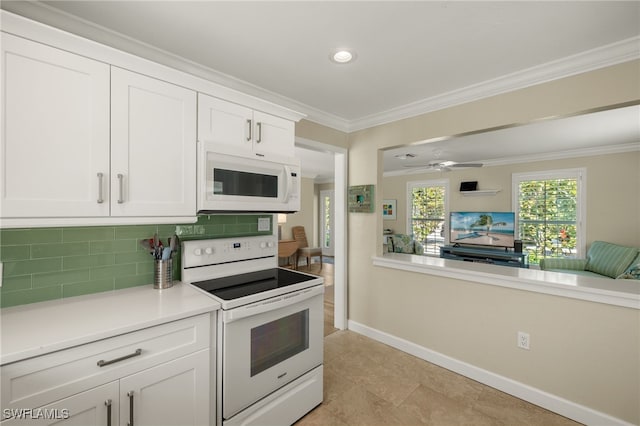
(427, 211)
(548, 213)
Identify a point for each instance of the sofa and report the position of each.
(604, 260)
(402, 243)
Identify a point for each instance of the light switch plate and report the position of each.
(264, 224)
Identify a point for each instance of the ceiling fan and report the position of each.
(443, 165)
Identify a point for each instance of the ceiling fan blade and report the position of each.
(419, 166)
(466, 165)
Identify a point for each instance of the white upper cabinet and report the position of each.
(153, 147)
(242, 129)
(55, 138)
(95, 136)
(273, 134)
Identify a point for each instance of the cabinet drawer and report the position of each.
(38, 381)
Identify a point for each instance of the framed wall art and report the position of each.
(389, 209)
(361, 199)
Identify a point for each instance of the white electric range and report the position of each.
(269, 330)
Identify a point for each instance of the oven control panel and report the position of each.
(224, 250)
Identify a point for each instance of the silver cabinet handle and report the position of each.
(100, 179)
(103, 363)
(249, 132)
(108, 404)
(130, 395)
(120, 188)
(259, 124)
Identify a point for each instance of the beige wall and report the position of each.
(316, 132)
(584, 352)
(613, 199)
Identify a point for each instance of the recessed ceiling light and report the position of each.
(342, 56)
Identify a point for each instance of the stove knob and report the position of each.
(208, 250)
(270, 244)
(263, 245)
(197, 252)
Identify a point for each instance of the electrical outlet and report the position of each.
(264, 224)
(523, 340)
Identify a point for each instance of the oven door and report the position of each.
(268, 344)
(230, 183)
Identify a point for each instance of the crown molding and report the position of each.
(612, 54)
(623, 51)
(532, 158)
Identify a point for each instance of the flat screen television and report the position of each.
(491, 229)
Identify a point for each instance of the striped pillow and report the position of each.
(609, 259)
(633, 271)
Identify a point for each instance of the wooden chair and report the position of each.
(288, 249)
(303, 246)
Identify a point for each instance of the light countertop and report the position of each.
(620, 292)
(39, 328)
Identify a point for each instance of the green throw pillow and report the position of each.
(633, 271)
(609, 259)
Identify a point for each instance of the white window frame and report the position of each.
(580, 174)
(422, 184)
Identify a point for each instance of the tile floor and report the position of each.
(369, 383)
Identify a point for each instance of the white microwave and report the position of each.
(233, 183)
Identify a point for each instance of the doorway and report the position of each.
(338, 225)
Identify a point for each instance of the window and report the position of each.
(427, 211)
(549, 209)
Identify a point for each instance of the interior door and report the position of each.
(326, 222)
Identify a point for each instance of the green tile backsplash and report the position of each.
(52, 263)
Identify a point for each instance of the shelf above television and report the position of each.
(480, 192)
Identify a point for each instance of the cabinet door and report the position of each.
(153, 147)
(95, 407)
(55, 138)
(174, 393)
(225, 123)
(273, 135)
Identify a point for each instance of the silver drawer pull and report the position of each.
(102, 362)
(130, 395)
(259, 124)
(100, 199)
(108, 404)
(120, 188)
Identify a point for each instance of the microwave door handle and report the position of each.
(288, 183)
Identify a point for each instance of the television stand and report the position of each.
(500, 257)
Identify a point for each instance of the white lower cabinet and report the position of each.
(175, 393)
(97, 406)
(157, 376)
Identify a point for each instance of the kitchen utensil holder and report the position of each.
(162, 273)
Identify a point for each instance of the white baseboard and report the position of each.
(543, 399)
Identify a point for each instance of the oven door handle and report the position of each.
(271, 304)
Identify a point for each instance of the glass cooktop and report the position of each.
(241, 285)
